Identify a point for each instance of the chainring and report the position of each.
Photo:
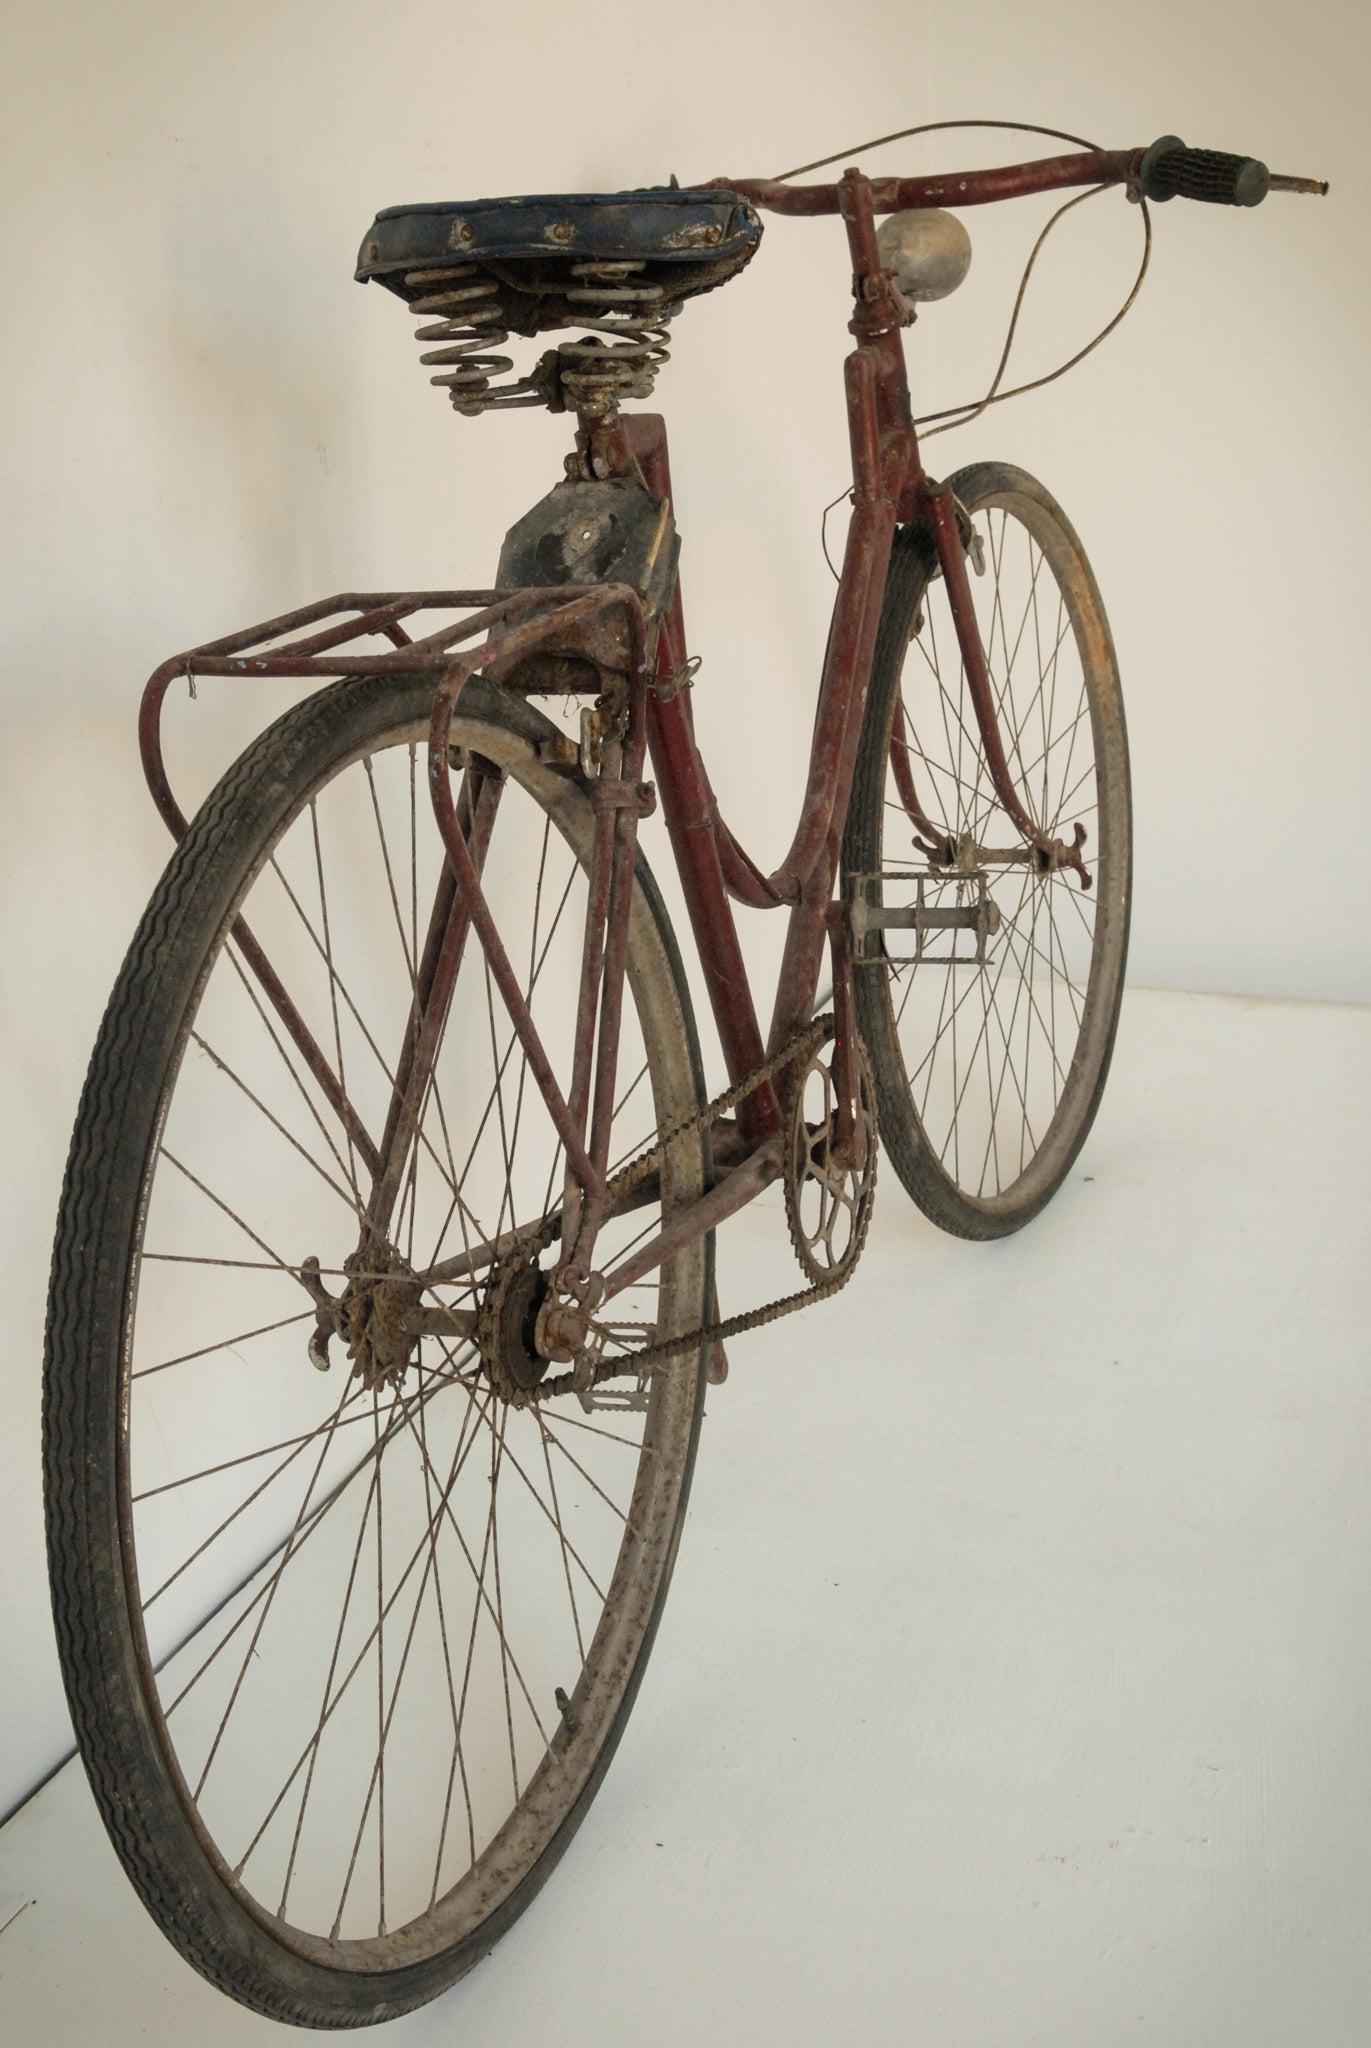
(827, 1206)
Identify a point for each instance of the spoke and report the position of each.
(1087, 923)
(245, 1504)
(458, 1205)
(564, 1421)
(254, 997)
(457, 1758)
(413, 853)
(507, 1456)
(619, 1105)
(965, 739)
(957, 1005)
(527, 993)
(225, 1343)
(1065, 735)
(275, 1259)
(410, 954)
(1020, 1089)
(948, 774)
(332, 987)
(377, 1782)
(945, 705)
(245, 1458)
(316, 1522)
(1053, 947)
(278, 1697)
(483, 1597)
(960, 1090)
(343, 1688)
(272, 1265)
(985, 1088)
(1030, 946)
(1038, 895)
(272, 1585)
(1032, 951)
(336, 988)
(561, 1536)
(325, 1709)
(496, 1451)
(654, 1223)
(1075, 727)
(334, 1655)
(1017, 724)
(507, 1194)
(381, 1718)
(611, 1505)
(276, 1124)
(992, 1147)
(1063, 978)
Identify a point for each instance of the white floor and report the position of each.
(1015, 1682)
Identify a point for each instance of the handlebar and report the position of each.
(1166, 170)
(1169, 168)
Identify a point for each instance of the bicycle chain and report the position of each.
(803, 1046)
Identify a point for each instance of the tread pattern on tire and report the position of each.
(210, 1929)
(913, 567)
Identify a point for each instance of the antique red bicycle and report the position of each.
(383, 1300)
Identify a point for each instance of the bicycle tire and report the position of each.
(982, 1138)
(131, 1445)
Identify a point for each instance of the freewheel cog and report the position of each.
(505, 1330)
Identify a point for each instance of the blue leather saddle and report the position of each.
(538, 248)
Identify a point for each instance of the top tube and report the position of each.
(953, 188)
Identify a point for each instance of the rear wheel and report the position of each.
(990, 1008)
(348, 1650)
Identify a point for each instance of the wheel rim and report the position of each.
(427, 1605)
(1004, 1012)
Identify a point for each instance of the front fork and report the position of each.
(945, 517)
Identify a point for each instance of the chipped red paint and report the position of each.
(500, 629)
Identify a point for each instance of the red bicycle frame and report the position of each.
(889, 488)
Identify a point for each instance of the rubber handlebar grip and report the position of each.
(1169, 170)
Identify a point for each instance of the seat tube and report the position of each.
(690, 820)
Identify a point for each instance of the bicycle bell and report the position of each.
(928, 251)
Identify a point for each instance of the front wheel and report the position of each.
(989, 988)
(350, 1620)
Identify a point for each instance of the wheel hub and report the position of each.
(374, 1315)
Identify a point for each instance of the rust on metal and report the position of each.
(449, 924)
(623, 640)
(950, 188)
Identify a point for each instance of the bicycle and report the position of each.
(383, 1300)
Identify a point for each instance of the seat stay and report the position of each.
(434, 983)
(496, 660)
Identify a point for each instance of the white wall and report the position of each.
(206, 422)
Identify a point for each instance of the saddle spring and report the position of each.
(626, 344)
(618, 355)
(472, 329)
